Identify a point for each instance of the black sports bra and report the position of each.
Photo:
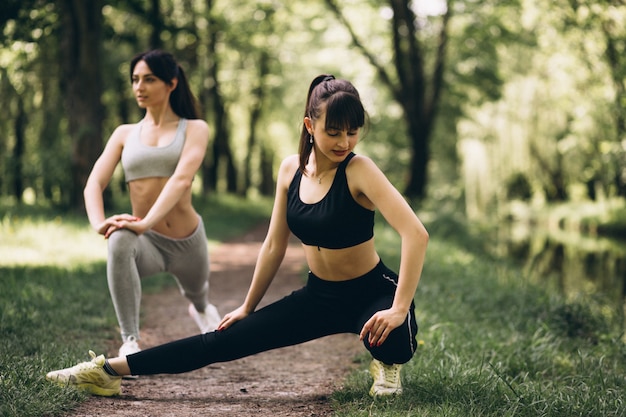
(336, 221)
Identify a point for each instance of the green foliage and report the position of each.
(540, 83)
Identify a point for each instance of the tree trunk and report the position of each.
(156, 21)
(615, 57)
(255, 116)
(54, 167)
(19, 126)
(268, 185)
(420, 155)
(419, 104)
(222, 153)
(82, 84)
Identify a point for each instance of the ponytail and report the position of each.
(312, 112)
(344, 110)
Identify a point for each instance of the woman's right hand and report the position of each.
(111, 224)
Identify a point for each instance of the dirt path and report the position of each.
(292, 381)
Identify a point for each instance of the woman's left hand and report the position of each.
(138, 226)
(135, 225)
(378, 327)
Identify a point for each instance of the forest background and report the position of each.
(479, 101)
(493, 113)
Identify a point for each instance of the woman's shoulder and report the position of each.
(197, 130)
(288, 168)
(362, 172)
(126, 127)
(122, 132)
(197, 125)
(290, 164)
(361, 162)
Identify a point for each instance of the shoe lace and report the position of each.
(391, 374)
(85, 365)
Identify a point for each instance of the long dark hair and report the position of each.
(344, 110)
(164, 66)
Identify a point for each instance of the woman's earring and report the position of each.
(311, 139)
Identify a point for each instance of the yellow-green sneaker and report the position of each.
(88, 376)
(386, 379)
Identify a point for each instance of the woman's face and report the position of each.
(334, 143)
(149, 90)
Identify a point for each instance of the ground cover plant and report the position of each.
(54, 300)
(493, 344)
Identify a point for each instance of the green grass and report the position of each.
(491, 342)
(48, 317)
(54, 300)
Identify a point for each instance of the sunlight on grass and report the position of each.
(38, 242)
(67, 242)
(54, 299)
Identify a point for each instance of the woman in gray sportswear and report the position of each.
(160, 156)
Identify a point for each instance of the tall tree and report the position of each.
(18, 150)
(156, 21)
(609, 15)
(409, 85)
(256, 110)
(212, 97)
(81, 80)
(18, 126)
(52, 169)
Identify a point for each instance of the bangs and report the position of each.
(344, 111)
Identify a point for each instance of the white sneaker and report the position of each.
(208, 320)
(386, 379)
(129, 347)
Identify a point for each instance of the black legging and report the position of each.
(320, 308)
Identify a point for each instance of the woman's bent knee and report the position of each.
(122, 242)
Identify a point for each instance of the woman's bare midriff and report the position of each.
(342, 264)
(179, 223)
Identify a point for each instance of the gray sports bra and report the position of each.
(142, 161)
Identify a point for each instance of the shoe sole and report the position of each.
(90, 388)
(96, 390)
(390, 393)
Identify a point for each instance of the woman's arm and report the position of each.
(191, 158)
(273, 249)
(366, 179)
(100, 177)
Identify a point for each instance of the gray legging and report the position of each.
(132, 257)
